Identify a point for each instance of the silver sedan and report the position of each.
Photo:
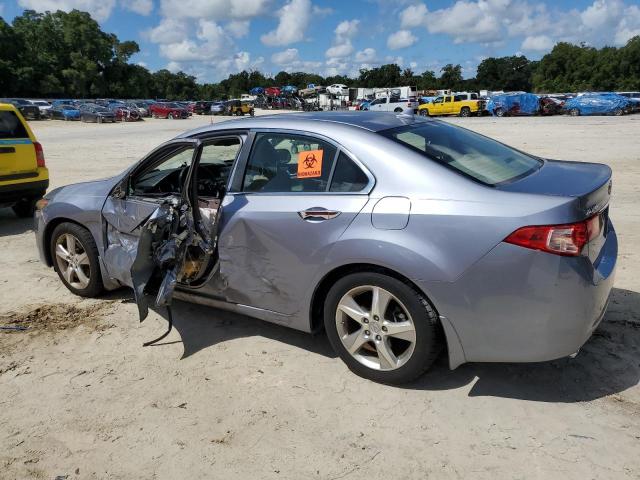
(399, 236)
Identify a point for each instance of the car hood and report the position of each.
(94, 188)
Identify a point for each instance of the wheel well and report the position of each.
(51, 226)
(317, 302)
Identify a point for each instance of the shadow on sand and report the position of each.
(607, 364)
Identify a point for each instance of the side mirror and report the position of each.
(120, 191)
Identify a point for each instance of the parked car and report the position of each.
(513, 104)
(168, 110)
(398, 235)
(26, 108)
(62, 111)
(140, 107)
(272, 91)
(43, 106)
(550, 106)
(202, 108)
(394, 104)
(24, 177)
(598, 104)
(457, 104)
(236, 107)
(338, 89)
(218, 108)
(91, 112)
(634, 99)
(124, 112)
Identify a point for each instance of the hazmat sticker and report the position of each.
(310, 164)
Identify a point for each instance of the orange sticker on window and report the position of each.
(310, 164)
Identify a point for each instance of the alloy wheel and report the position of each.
(375, 327)
(73, 261)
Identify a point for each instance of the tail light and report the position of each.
(39, 155)
(567, 240)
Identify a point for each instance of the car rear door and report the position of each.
(17, 153)
(280, 218)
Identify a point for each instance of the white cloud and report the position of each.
(141, 7)
(537, 43)
(367, 55)
(342, 46)
(100, 10)
(604, 22)
(214, 9)
(294, 18)
(401, 39)
(238, 28)
(285, 57)
(413, 15)
(169, 30)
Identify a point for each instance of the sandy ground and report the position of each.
(230, 397)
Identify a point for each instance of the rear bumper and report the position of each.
(521, 305)
(22, 191)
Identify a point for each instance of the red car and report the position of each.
(272, 91)
(168, 110)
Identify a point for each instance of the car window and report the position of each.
(348, 177)
(469, 153)
(438, 100)
(474, 96)
(447, 99)
(165, 176)
(288, 163)
(11, 126)
(459, 98)
(216, 163)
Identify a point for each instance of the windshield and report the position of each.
(471, 154)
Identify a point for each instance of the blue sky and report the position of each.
(212, 38)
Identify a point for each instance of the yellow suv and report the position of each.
(24, 178)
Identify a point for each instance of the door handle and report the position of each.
(318, 214)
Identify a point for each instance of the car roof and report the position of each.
(371, 121)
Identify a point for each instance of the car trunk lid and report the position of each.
(589, 184)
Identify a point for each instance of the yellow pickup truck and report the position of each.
(23, 174)
(463, 105)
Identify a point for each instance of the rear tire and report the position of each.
(78, 272)
(382, 355)
(574, 112)
(25, 208)
(618, 112)
(465, 112)
(499, 112)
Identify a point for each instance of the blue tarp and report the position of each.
(289, 89)
(597, 104)
(256, 91)
(520, 103)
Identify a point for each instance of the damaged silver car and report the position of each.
(398, 235)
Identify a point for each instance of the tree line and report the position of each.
(59, 54)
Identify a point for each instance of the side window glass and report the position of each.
(458, 98)
(164, 177)
(447, 100)
(474, 96)
(216, 163)
(288, 163)
(348, 177)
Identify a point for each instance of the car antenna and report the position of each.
(170, 320)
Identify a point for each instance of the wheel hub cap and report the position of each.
(375, 328)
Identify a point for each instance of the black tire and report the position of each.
(25, 208)
(397, 110)
(95, 286)
(424, 112)
(574, 112)
(618, 112)
(499, 112)
(465, 112)
(428, 331)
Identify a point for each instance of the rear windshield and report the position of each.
(11, 126)
(476, 156)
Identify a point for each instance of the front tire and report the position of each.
(381, 327)
(424, 112)
(75, 259)
(465, 112)
(574, 112)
